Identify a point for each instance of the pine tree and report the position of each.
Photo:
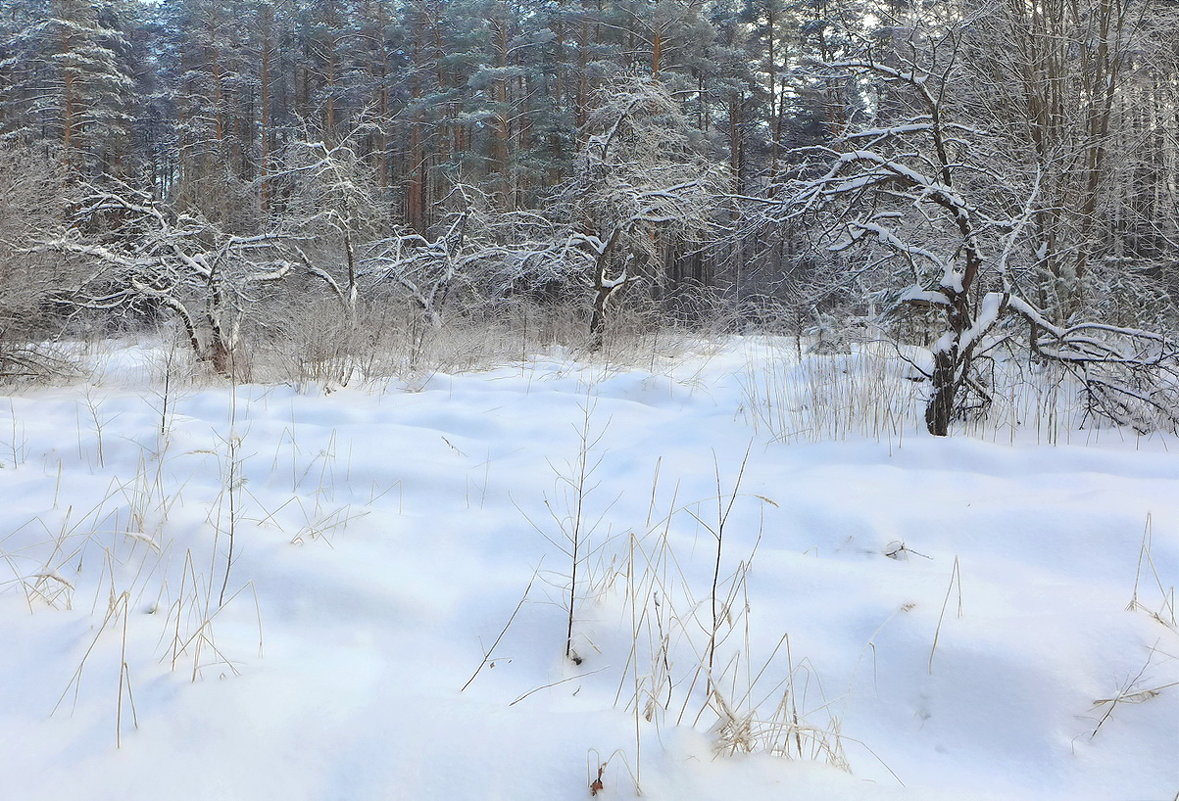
(68, 81)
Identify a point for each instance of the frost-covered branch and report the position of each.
(918, 190)
(144, 255)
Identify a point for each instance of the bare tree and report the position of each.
(147, 257)
(477, 251)
(1049, 76)
(332, 205)
(424, 268)
(643, 185)
(925, 195)
(34, 197)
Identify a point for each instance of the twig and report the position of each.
(504, 630)
(954, 576)
(555, 683)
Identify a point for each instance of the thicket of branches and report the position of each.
(968, 176)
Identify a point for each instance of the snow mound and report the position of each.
(364, 594)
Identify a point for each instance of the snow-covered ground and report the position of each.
(892, 617)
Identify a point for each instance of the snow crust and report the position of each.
(383, 538)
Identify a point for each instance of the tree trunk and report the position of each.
(264, 113)
(220, 355)
(941, 405)
(597, 329)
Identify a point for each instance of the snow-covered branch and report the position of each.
(154, 257)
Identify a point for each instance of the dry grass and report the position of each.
(872, 390)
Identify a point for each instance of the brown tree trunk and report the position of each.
(501, 129)
(264, 112)
(69, 102)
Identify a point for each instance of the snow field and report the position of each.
(890, 616)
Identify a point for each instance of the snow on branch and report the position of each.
(145, 255)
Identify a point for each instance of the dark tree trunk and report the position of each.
(941, 404)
